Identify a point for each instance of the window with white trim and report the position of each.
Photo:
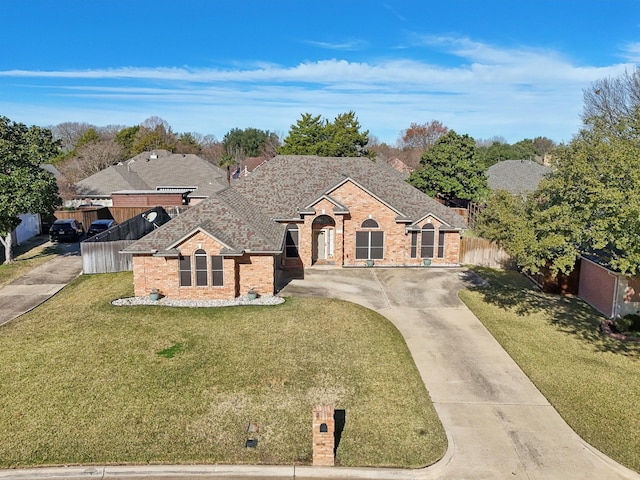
(414, 244)
(370, 243)
(291, 243)
(427, 242)
(217, 271)
(201, 268)
(441, 235)
(370, 223)
(332, 238)
(184, 268)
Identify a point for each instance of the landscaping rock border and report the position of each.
(167, 302)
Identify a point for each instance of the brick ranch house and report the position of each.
(291, 213)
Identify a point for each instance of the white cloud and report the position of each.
(488, 91)
(348, 45)
(631, 52)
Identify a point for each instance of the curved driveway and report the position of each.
(498, 424)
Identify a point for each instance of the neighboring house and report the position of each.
(189, 178)
(29, 227)
(294, 212)
(516, 176)
(248, 165)
(400, 166)
(611, 293)
(31, 223)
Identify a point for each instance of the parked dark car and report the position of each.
(69, 230)
(100, 226)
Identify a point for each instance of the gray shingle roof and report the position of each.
(289, 182)
(227, 216)
(243, 216)
(516, 176)
(145, 173)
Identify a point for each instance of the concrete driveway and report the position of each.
(37, 286)
(498, 424)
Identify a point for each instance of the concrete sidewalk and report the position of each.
(37, 286)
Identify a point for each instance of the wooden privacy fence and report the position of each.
(482, 252)
(103, 257)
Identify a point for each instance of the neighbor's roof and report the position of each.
(146, 172)
(516, 176)
(51, 169)
(243, 216)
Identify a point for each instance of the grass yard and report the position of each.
(592, 380)
(84, 382)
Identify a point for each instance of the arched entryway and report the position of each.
(323, 229)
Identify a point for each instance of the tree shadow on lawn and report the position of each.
(510, 290)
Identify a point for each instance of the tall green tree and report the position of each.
(248, 142)
(24, 186)
(312, 135)
(305, 137)
(126, 138)
(344, 138)
(451, 170)
(493, 153)
(506, 220)
(496, 151)
(188, 143)
(590, 204)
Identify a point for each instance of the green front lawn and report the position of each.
(593, 381)
(84, 382)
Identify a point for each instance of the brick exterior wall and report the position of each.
(323, 441)
(597, 287)
(397, 243)
(146, 199)
(239, 273)
(258, 272)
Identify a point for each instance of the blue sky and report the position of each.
(486, 68)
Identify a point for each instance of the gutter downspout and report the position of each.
(615, 306)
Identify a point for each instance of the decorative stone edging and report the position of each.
(167, 302)
(608, 327)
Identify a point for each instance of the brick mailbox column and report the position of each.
(323, 435)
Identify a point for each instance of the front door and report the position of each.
(319, 245)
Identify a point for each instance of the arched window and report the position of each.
(370, 244)
(291, 246)
(427, 241)
(323, 220)
(201, 268)
(370, 223)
